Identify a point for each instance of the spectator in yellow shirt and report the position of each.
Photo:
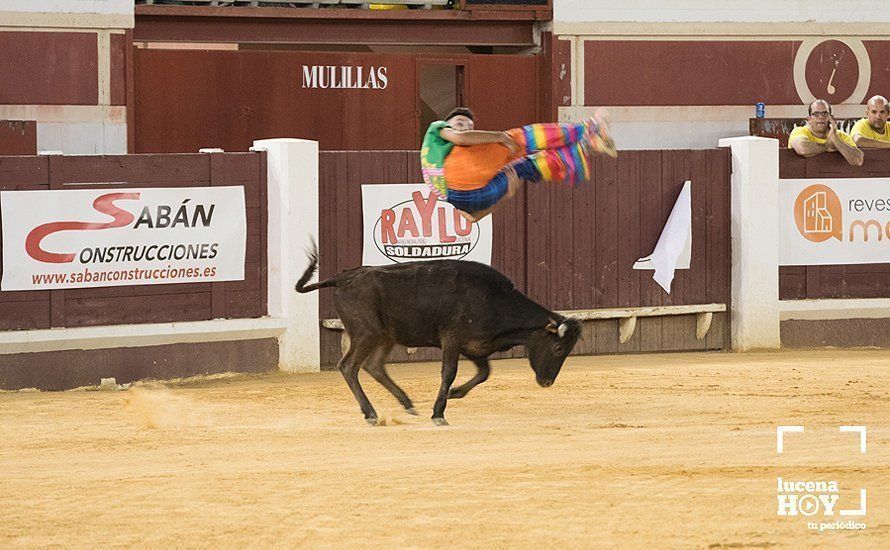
(873, 130)
(821, 135)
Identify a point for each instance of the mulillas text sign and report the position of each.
(113, 237)
(834, 221)
(409, 222)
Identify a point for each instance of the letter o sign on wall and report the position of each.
(825, 69)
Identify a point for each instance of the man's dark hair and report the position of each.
(460, 111)
(810, 106)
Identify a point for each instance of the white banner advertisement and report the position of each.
(834, 221)
(409, 222)
(104, 237)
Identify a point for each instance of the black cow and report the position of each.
(461, 307)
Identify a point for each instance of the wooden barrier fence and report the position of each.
(569, 248)
(143, 303)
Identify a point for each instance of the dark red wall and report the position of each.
(730, 72)
(186, 100)
(48, 68)
(18, 137)
(665, 72)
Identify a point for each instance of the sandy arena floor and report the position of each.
(651, 451)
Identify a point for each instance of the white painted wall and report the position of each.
(853, 11)
(755, 242)
(68, 6)
(697, 127)
(66, 14)
(293, 223)
(688, 127)
(83, 138)
(74, 129)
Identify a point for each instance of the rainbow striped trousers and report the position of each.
(551, 152)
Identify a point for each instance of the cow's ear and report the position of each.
(552, 326)
(561, 331)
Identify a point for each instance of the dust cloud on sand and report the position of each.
(162, 408)
(666, 451)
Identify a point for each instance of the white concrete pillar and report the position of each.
(293, 221)
(755, 242)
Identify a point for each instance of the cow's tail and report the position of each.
(302, 287)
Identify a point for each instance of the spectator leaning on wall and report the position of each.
(820, 135)
(873, 130)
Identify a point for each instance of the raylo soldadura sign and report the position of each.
(410, 222)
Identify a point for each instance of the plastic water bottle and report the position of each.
(761, 109)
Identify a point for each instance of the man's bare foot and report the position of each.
(474, 217)
(513, 182)
(468, 216)
(600, 138)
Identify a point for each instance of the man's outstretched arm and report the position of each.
(864, 142)
(478, 137)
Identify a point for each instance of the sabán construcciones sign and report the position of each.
(104, 237)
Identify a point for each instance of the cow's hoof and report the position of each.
(411, 410)
(371, 421)
(440, 422)
(456, 394)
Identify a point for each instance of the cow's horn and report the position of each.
(552, 327)
(561, 331)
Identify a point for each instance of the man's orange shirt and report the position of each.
(471, 167)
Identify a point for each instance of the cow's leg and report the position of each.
(450, 355)
(375, 366)
(482, 371)
(349, 364)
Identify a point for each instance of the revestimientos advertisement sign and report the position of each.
(834, 221)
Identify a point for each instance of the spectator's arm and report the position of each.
(806, 148)
(868, 143)
(853, 154)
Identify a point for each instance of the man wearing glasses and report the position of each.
(821, 134)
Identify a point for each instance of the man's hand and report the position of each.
(508, 142)
(831, 138)
(852, 154)
(832, 134)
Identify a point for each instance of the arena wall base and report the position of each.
(64, 358)
(842, 323)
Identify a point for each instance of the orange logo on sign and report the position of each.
(818, 215)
